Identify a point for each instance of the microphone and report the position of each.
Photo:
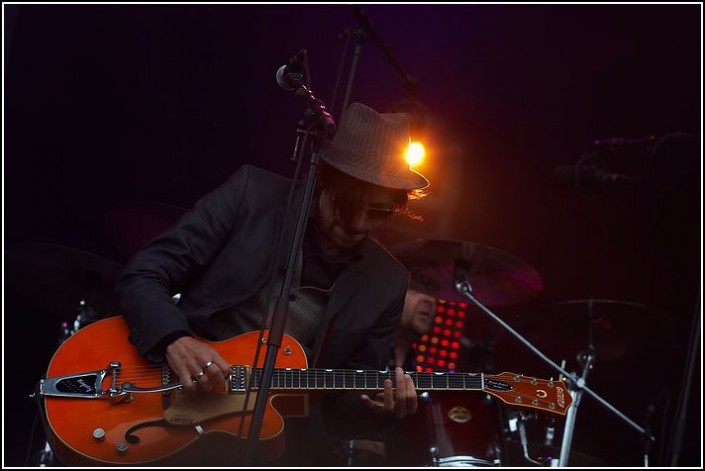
(590, 178)
(290, 76)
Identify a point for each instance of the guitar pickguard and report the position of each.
(192, 407)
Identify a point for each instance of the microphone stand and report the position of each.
(318, 121)
(364, 29)
(462, 285)
(357, 52)
(366, 26)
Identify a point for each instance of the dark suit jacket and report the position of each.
(221, 254)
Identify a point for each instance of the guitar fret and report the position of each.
(341, 379)
(333, 379)
(421, 381)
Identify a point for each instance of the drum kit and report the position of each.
(474, 430)
(450, 429)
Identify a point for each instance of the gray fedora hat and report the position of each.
(371, 146)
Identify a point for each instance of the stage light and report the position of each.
(415, 154)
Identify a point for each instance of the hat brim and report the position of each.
(399, 179)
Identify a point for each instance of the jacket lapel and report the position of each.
(349, 283)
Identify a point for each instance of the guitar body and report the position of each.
(214, 441)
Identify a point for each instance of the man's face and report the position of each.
(377, 205)
(419, 309)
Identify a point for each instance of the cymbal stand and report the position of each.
(588, 359)
(86, 315)
(462, 285)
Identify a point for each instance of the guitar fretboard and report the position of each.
(311, 379)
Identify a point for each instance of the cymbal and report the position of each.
(57, 278)
(619, 332)
(128, 227)
(496, 278)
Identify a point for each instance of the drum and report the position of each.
(449, 429)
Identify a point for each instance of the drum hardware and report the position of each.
(356, 453)
(586, 360)
(521, 424)
(86, 315)
(576, 386)
(46, 456)
(345, 452)
(516, 424)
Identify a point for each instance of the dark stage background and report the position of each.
(115, 116)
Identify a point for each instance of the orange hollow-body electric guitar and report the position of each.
(106, 405)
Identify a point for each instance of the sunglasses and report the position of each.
(379, 212)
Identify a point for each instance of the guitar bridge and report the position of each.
(84, 385)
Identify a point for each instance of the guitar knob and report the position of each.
(99, 434)
(121, 448)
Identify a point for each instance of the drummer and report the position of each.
(416, 319)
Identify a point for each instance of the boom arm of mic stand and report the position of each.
(463, 287)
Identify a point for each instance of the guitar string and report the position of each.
(151, 370)
(154, 373)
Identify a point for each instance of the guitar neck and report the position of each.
(326, 379)
(515, 389)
